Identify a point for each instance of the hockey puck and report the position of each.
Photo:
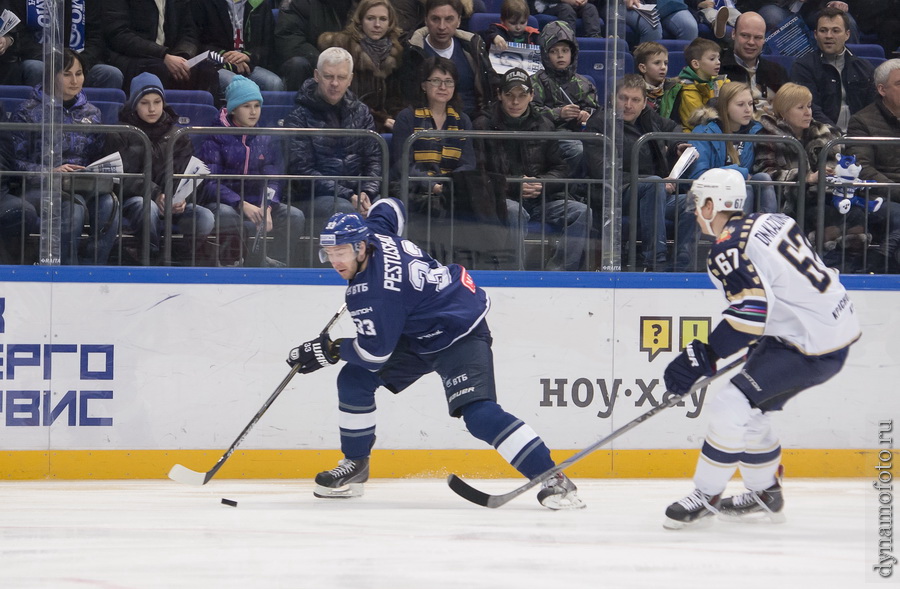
(229, 502)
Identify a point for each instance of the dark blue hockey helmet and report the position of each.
(342, 228)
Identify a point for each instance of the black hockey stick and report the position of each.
(187, 476)
(470, 493)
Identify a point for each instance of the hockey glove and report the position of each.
(694, 362)
(315, 354)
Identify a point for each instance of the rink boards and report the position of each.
(120, 373)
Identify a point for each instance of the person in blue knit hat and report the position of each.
(147, 110)
(252, 208)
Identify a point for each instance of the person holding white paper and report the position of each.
(85, 198)
(655, 199)
(147, 110)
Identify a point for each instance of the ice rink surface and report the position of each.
(419, 534)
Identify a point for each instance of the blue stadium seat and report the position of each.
(493, 5)
(272, 97)
(11, 105)
(105, 94)
(674, 44)
(109, 111)
(866, 50)
(591, 61)
(676, 63)
(189, 97)
(273, 115)
(195, 115)
(480, 21)
(601, 43)
(785, 61)
(543, 19)
(15, 91)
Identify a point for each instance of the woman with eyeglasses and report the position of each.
(437, 107)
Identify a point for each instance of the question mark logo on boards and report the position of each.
(644, 388)
(656, 333)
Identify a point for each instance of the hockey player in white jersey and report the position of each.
(413, 316)
(798, 322)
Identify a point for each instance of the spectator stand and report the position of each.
(311, 259)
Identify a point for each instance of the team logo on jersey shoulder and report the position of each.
(725, 235)
(467, 280)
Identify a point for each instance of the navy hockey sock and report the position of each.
(513, 438)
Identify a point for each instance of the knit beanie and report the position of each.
(144, 84)
(241, 90)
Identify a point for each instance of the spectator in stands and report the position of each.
(881, 18)
(326, 102)
(243, 33)
(697, 84)
(252, 208)
(742, 62)
(437, 107)
(156, 37)
(656, 160)
(565, 97)
(441, 36)
(300, 24)
(716, 15)
(512, 28)
(82, 31)
(570, 10)
(841, 83)
(677, 19)
(147, 110)
(652, 62)
(733, 114)
(536, 159)
(881, 163)
(18, 218)
(83, 197)
(673, 16)
(373, 40)
(776, 12)
(792, 117)
(10, 67)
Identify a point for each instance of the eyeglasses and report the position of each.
(437, 82)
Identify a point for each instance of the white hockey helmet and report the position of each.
(725, 187)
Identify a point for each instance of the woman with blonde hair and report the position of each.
(792, 117)
(372, 38)
(732, 115)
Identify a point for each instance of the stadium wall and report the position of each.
(112, 373)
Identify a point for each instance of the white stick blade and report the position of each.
(186, 476)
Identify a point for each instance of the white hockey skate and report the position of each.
(344, 481)
(559, 492)
(691, 511)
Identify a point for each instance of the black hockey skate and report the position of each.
(345, 480)
(756, 506)
(558, 492)
(691, 510)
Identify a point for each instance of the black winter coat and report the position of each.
(215, 30)
(657, 157)
(131, 148)
(824, 81)
(300, 23)
(514, 158)
(333, 155)
(879, 163)
(130, 29)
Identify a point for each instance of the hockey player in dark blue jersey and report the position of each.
(797, 319)
(413, 316)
